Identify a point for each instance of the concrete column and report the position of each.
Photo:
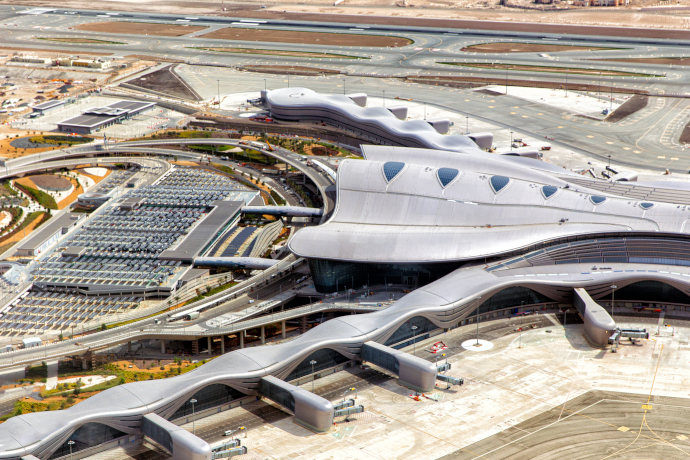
(282, 327)
(129, 346)
(263, 334)
(222, 344)
(303, 325)
(162, 345)
(241, 339)
(209, 343)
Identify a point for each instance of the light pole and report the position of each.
(218, 81)
(384, 97)
(477, 299)
(506, 81)
(343, 86)
(70, 443)
(609, 161)
(511, 140)
(566, 84)
(611, 96)
(414, 339)
(600, 85)
(312, 362)
(613, 292)
(265, 85)
(467, 129)
(193, 428)
(521, 304)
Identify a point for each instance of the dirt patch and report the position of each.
(307, 38)
(72, 197)
(53, 52)
(81, 40)
(536, 68)
(184, 163)
(52, 182)
(139, 28)
(7, 150)
(289, 70)
(632, 105)
(657, 61)
(280, 53)
(96, 179)
(165, 81)
(526, 48)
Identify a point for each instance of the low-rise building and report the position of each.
(47, 236)
(31, 59)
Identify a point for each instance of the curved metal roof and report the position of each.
(304, 104)
(412, 217)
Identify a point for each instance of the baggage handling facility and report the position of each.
(97, 118)
(471, 234)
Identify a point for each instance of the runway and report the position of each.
(644, 140)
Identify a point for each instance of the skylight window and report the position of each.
(446, 175)
(392, 168)
(498, 183)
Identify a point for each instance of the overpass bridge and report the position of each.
(28, 164)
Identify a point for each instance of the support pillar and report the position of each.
(282, 327)
(209, 345)
(162, 345)
(263, 334)
(129, 347)
(241, 339)
(303, 325)
(222, 344)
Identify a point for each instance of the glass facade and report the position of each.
(332, 275)
(324, 358)
(646, 206)
(210, 396)
(499, 182)
(88, 435)
(650, 291)
(446, 175)
(511, 297)
(596, 199)
(392, 168)
(405, 332)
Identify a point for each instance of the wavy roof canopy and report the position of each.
(303, 103)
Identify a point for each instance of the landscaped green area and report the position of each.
(39, 196)
(277, 199)
(68, 394)
(307, 54)
(60, 140)
(300, 191)
(547, 69)
(80, 40)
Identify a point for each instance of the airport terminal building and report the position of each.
(476, 234)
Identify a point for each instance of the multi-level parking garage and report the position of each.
(480, 234)
(120, 253)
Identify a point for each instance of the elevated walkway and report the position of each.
(283, 211)
(253, 263)
(181, 444)
(311, 411)
(414, 373)
(599, 325)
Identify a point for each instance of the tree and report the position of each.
(103, 327)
